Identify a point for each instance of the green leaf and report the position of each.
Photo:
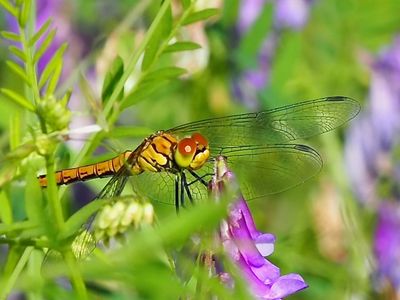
(15, 131)
(159, 36)
(39, 33)
(9, 7)
(51, 66)
(18, 70)
(182, 46)
(247, 53)
(44, 45)
(33, 198)
(112, 78)
(5, 211)
(186, 4)
(164, 73)
(200, 15)
(54, 78)
(24, 13)
(11, 36)
(141, 92)
(17, 52)
(17, 98)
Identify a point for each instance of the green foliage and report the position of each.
(145, 84)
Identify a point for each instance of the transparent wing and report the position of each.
(261, 170)
(276, 126)
(85, 242)
(160, 186)
(264, 170)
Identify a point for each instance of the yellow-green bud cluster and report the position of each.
(115, 219)
(55, 113)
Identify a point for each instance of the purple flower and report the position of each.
(387, 243)
(372, 165)
(373, 138)
(292, 14)
(247, 246)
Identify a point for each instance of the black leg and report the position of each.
(177, 193)
(198, 178)
(182, 191)
(185, 184)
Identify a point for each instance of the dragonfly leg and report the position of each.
(177, 193)
(199, 178)
(186, 185)
(182, 191)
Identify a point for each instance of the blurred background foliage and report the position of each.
(254, 55)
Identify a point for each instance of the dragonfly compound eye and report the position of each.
(200, 140)
(185, 152)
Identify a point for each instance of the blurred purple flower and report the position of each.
(387, 244)
(375, 135)
(248, 13)
(247, 246)
(371, 161)
(292, 14)
(60, 13)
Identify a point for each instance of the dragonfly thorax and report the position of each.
(165, 152)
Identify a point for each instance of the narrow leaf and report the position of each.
(141, 92)
(17, 52)
(9, 7)
(112, 78)
(33, 198)
(39, 33)
(24, 12)
(55, 60)
(200, 15)
(54, 78)
(160, 34)
(17, 69)
(44, 46)
(185, 3)
(5, 211)
(10, 36)
(15, 131)
(164, 73)
(182, 46)
(17, 98)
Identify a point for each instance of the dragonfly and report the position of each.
(262, 148)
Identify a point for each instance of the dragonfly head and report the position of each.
(192, 152)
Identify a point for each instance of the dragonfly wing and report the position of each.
(276, 126)
(160, 186)
(85, 242)
(263, 170)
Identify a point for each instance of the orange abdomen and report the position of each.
(97, 170)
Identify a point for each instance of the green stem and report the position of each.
(52, 194)
(361, 257)
(10, 281)
(76, 276)
(133, 60)
(112, 114)
(31, 73)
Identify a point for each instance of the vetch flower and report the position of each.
(373, 163)
(247, 246)
(288, 14)
(387, 245)
(373, 139)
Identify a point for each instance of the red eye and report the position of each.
(187, 146)
(200, 139)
